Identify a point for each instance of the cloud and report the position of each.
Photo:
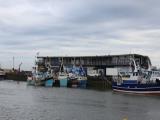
(62, 27)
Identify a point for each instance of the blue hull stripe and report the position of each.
(137, 89)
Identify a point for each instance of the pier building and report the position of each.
(92, 62)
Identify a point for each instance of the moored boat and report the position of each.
(82, 81)
(63, 79)
(41, 75)
(138, 81)
(62, 76)
(49, 83)
(78, 77)
(30, 80)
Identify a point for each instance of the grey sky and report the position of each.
(77, 27)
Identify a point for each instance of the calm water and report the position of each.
(19, 102)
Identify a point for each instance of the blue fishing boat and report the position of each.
(49, 83)
(139, 81)
(63, 79)
(63, 76)
(80, 77)
(39, 77)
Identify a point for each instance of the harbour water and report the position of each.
(21, 102)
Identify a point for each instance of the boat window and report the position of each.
(127, 75)
(133, 74)
(122, 73)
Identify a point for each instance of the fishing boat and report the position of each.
(78, 77)
(82, 78)
(30, 80)
(63, 79)
(49, 83)
(35, 80)
(72, 80)
(63, 76)
(138, 81)
(82, 81)
(40, 77)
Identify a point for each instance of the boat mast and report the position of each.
(61, 65)
(149, 64)
(134, 63)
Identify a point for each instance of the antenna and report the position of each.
(37, 54)
(13, 62)
(20, 66)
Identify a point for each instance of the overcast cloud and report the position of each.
(77, 27)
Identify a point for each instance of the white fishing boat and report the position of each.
(138, 81)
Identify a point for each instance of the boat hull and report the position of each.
(49, 83)
(39, 82)
(74, 83)
(31, 82)
(151, 89)
(63, 82)
(137, 92)
(82, 83)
